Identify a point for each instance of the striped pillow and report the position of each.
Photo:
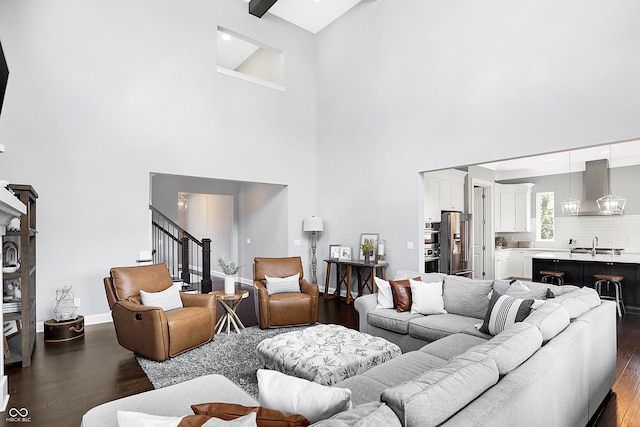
(503, 312)
(168, 299)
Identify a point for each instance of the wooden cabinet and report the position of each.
(19, 287)
(444, 191)
(512, 207)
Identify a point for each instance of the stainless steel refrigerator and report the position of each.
(455, 240)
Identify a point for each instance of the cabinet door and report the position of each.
(457, 196)
(508, 211)
(514, 264)
(522, 212)
(497, 211)
(527, 266)
(432, 200)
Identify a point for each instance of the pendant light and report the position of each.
(570, 206)
(611, 204)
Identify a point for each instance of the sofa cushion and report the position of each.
(432, 398)
(579, 301)
(401, 291)
(404, 368)
(551, 319)
(426, 297)
(424, 277)
(466, 297)
(363, 389)
(511, 347)
(391, 320)
(520, 289)
(449, 347)
(368, 414)
(431, 328)
(504, 311)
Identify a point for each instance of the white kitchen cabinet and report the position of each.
(514, 264)
(502, 258)
(444, 191)
(527, 264)
(512, 207)
(431, 200)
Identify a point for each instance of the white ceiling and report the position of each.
(621, 154)
(312, 15)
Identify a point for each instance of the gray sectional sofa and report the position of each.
(560, 381)
(553, 369)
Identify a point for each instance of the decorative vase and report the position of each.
(367, 257)
(229, 285)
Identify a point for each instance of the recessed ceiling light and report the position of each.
(226, 37)
(551, 159)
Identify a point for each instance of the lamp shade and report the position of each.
(313, 223)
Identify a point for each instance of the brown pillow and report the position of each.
(401, 290)
(265, 417)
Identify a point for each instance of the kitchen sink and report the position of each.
(599, 251)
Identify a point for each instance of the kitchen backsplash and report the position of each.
(617, 231)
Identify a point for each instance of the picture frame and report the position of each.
(11, 328)
(334, 251)
(345, 253)
(373, 236)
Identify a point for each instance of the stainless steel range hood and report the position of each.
(595, 184)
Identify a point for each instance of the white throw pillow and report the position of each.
(299, 396)
(385, 296)
(281, 285)
(426, 298)
(139, 419)
(168, 299)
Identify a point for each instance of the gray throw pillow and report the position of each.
(504, 311)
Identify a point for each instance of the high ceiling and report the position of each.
(619, 155)
(312, 15)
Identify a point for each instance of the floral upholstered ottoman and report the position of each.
(325, 354)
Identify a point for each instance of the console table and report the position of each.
(365, 273)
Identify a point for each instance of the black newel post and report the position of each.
(186, 274)
(206, 266)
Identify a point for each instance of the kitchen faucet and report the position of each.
(594, 243)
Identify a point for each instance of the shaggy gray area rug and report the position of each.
(233, 356)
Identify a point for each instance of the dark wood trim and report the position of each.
(260, 7)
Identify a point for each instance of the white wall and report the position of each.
(423, 84)
(103, 92)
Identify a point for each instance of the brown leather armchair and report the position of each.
(284, 309)
(150, 331)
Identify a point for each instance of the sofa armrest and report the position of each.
(198, 300)
(308, 288)
(363, 306)
(141, 329)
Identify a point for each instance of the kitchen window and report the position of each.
(544, 216)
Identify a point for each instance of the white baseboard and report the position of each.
(92, 319)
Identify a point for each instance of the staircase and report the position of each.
(187, 258)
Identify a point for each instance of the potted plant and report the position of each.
(230, 270)
(367, 249)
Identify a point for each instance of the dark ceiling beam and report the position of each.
(260, 7)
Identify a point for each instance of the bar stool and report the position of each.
(609, 279)
(552, 277)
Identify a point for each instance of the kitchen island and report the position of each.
(579, 270)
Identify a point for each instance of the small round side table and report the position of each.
(230, 303)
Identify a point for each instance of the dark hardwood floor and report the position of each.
(67, 379)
